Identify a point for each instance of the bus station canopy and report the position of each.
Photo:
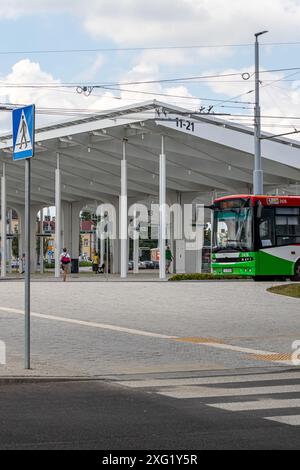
(204, 154)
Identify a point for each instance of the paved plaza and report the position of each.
(150, 365)
(116, 328)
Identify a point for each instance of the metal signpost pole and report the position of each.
(27, 262)
(23, 149)
(258, 183)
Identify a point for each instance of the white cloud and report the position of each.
(132, 22)
(190, 21)
(171, 22)
(129, 23)
(28, 72)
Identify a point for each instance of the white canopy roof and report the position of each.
(210, 155)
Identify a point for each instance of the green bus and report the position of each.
(257, 236)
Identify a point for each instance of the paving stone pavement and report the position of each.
(102, 329)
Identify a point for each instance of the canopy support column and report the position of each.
(42, 240)
(3, 221)
(124, 215)
(9, 241)
(136, 243)
(57, 218)
(162, 211)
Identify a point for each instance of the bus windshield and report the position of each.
(233, 229)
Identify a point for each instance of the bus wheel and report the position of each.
(296, 277)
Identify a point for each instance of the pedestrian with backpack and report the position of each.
(65, 261)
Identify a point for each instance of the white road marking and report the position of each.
(293, 420)
(268, 404)
(206, 392)
(131, 331)
(151, 383)
(103, 326)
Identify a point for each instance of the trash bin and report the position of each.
(75, 266)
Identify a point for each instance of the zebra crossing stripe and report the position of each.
(268, 404)
(292, 420)
(207, 387)
(151, 383)
(206, 392)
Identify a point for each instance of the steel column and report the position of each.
(57, 218)
(124, 215)
(162, 211)
(3, 221)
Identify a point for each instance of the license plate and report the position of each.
(227, 270)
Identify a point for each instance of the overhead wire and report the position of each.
(138, 82)
(143, 48)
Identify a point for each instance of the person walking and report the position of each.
(96, 262)
(22, 264)
(65, 261)
(169, 259)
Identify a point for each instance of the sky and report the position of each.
(34, 34)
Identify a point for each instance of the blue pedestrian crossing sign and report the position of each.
(23, 132)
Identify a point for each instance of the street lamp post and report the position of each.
(258, 181)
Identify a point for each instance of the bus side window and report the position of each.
(264, 233)
(287, 225)
(263, 229)
(266, 228)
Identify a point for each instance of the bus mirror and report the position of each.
(211, 207)
(259, 209)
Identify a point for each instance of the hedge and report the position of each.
(204, 277)
(82, 264)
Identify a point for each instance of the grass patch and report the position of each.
(291, 290)
(204, 277)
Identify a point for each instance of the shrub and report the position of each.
(204, 277)
(82, 264)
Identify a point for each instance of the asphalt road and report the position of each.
(140, 413)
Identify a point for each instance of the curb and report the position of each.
(37, 380)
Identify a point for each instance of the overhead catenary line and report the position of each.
(143, 48)
(189, 113)
(171, 95)
(109, 87)
(138, 82)
(279, 135)
(262, 85)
